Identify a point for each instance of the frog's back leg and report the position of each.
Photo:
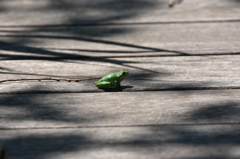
(105, 85)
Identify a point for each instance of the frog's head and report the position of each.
(123, 74)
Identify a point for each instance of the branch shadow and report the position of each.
(215, 133)
(216, 112)
(209, 138)
(114, 9)
(18, 47)
(45, 145)
(40, 107)
(40, 146)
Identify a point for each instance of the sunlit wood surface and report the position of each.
(180, 101)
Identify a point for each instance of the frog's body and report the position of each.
(112, 80)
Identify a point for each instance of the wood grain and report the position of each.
(152, 73)
(206, 141)
(63, 110)
(181, 99)
(122, 40)
(74, 12)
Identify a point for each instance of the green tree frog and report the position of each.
(112, 80)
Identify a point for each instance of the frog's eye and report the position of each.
(124, 73)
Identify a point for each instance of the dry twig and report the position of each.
(49, 79)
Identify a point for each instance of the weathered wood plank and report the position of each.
(119, 109)
(178, 142)
(153, 73)
(122, 40)
(72, 12)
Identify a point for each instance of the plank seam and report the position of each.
(122, 126)
(127, 23)
(125, 90)
(80, 57)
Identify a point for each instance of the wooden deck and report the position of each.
(180, 101)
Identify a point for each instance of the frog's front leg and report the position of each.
(104, 84)
(117, 83)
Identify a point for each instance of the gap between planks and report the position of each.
(82, 57)
(123, 126)
(125, 90)
(128, 23)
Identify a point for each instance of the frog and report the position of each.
(112, 80)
